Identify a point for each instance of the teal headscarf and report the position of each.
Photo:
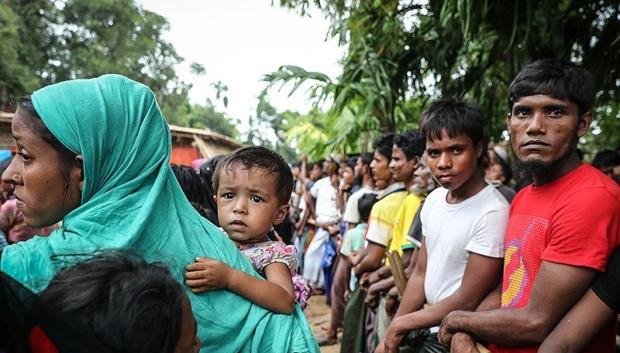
(131, 200)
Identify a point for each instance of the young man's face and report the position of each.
(359, 169)
(401, 168)
(348, 176)
(316, 172)
(380, 169)
(544, 130)
(452, 160)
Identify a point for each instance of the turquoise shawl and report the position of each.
(131, 200)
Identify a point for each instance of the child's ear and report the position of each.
(282, 213)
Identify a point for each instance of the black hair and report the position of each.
(454, 116)
(606, 158)
(262, 158)
(384, 145)
(285, 230)
(411, 142)
(364, 205)
(191, 183)
(556, 78)
(366, 158)
(206, 170)
(129, 304)
(36, 125)
(351, 162)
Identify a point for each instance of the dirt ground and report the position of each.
(317, 313)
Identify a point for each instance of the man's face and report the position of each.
(401, 168)
(359, 168)
(348, 176)
(422, 176)
(452, 160)
(380, 169)
(544, 130)
(316, 172)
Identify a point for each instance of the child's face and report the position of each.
(247, 204)
(452, 160)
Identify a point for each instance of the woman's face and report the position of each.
(43, 195)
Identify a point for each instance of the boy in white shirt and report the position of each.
(463, 224)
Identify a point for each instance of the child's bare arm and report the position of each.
(275, 294)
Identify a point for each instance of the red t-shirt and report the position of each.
(574, 220)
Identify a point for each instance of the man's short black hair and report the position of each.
(264, 159)
(606, 159)
(384, 144)
(411, 142)
(454, 116)
(364, 205)
(351, 162)
(556, 78)
(366, 158)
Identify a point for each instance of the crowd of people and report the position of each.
(436, 241)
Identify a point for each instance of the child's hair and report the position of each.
(384, 145)
(127, 303)
(411, 142)
(556, 78)
(454, 116)
(364, 205)
(263, 159)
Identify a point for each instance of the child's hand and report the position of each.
(207, 274)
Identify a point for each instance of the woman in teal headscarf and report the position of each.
(95, 154)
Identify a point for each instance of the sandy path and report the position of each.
(317, 313)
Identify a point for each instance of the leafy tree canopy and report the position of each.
(45, 41)
(401, 54)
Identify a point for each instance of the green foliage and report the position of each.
(206, 116)
(15, 75)
(53, 41)
(270, 128)
(402, 54)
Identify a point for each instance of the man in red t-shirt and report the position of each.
(562, 228)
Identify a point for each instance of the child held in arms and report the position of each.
(252, 190)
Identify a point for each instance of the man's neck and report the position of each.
(557, 170)
(470, 188)
(368, 181)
